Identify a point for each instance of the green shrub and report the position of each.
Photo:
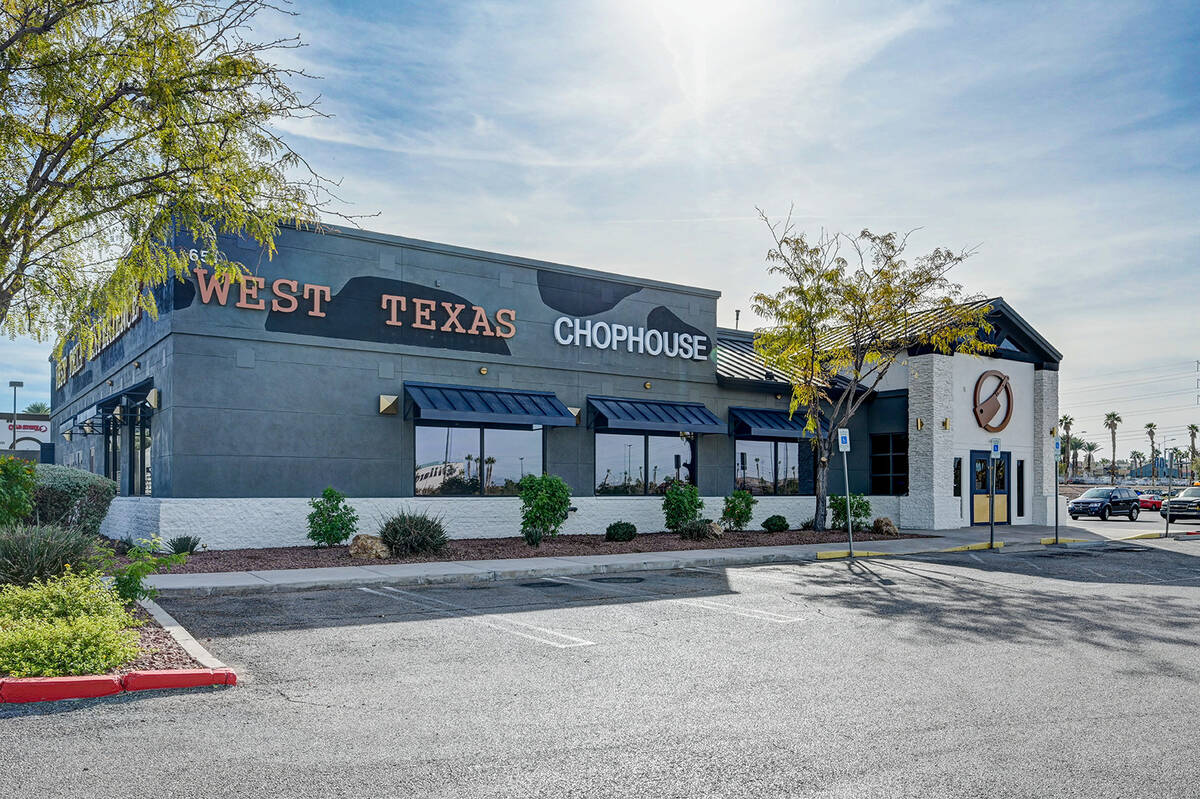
(775, 524)
(681, 505)
(183, 544)
(808, 524)
(71, 497)
(409, 533)
(31, 552)
(545, 504)
(83, 645)
(70, 624)
(620, 531)
(699, 529)
(66, 596)
(144, 559)
(332, 520)
(860, 509)
(739, 509)
(17, 483)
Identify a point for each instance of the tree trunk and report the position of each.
(822, 485)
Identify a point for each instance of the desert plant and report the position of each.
(739, 509)
(143, 560)
(545, 504)
(700, 529)
(413, 533)
(808, 524)
(884, 526)
(620, 531)
(17, 482)
(681, 504)
(31, 552)
(775, 524)
(70, 624)
(183, 544)
(331, 520)
(860, 509)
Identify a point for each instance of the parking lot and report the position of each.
(1066, 673)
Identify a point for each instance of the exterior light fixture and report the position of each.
(116, 414)
(946, 423)
(920, 423)
(389, 404)
(137, 364)
(67, 435)
(153, 398)
(109, 382)
(483, 370)
(646, 385)
(778, 396)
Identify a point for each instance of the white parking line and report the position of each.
(519, 628)
(707, 604)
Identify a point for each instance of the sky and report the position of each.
(1062, 140)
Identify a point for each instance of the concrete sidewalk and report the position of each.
(470, 571)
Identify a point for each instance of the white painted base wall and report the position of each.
(277, 522)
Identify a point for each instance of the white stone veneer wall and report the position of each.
(1045, 419)
(272, 522)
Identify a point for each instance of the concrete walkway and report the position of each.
(469, 571)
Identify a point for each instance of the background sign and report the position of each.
(995, 448)
(843, 439)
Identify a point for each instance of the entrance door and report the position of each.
(979, 487)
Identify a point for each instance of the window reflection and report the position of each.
(754, 466)
(775, 467)
(669, 458)
(620, 464)
(509, 455)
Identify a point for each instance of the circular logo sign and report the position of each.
(993, 401)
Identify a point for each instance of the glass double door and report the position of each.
(981, 477)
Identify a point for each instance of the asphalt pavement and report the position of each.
(1037, 672)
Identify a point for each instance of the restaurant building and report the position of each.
(409, 374)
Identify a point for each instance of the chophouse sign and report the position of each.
(993, 391)
(291, 296)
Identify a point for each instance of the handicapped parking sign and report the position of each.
(843, 439)
(995, 448)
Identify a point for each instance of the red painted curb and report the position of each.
(168, 678)
(52, 689)
(49, 689)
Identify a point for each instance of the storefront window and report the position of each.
(141, 454)
(620, 464)
(754, 466)
(774, 467)
(669, 458)
(509, 455)
(113, 450)
(623, 461)
(889, 464)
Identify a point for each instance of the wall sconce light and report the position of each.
(389, 404)
(483, 370)
(646, 385)
(778, 396)
(109, 382)
(137, 364)
(1053, 432)
(153, 398)
(116, 414)
(67, 435)
(946, 423)
(920, 423)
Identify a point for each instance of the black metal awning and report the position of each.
(770, 423)
(471, 405)
(644, 415)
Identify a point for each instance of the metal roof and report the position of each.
(445, 403)
(737, 360)
(646, 415)
(770, 423)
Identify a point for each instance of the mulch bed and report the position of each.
(159, 650)
(230, 560)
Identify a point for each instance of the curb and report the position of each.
(1139, 535)
(52, 689)
(974, 547)
(836, 554)
(1049, 540)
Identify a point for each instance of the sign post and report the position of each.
(844, 447)
(1057, 499)
(994, 456)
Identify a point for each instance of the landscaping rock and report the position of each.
(884, 526)
(715, 530)
(369, 546)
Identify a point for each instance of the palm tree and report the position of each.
(1111, 420)
(1192, 430)
(41, 407)
(1090, 448)
(490, 462)
(1151, 429)
(1065, 423)
(1076, 444)
(1136, 459)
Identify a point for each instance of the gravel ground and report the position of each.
(159, 649)
(231, 560)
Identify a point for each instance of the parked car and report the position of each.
(1184, 505)
(1105, 502)
(1149, 501)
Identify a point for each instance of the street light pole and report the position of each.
(14, 385)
